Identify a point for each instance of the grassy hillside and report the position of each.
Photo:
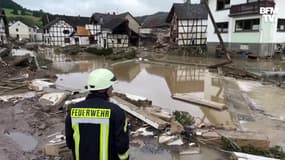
(27, 18)
(15, 12)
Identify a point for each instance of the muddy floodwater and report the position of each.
(157, 83)
(153, 81)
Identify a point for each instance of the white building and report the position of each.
(3, 28)
(22, 31)
(244, 28)
(69, 30)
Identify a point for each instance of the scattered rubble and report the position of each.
(241, 138)
(52, 99)
(17, 97)
(40, 84)
(140, 113)
(243, 156)
(172, 129)
(56, 145)
(142, 132)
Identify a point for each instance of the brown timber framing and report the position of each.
(95, 34)
(114, 39)
(56, 35)
(189, 37)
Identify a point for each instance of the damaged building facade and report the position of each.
(244, 28)
(117, 31)
(188, 24)
(114, 33)
(3, 28)
(154, 29)
(69, 30)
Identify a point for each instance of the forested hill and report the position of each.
(15, 12)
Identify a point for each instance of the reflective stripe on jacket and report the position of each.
(96, 129)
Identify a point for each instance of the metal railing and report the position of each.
(250, 8)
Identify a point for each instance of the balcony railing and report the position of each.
(250, 8)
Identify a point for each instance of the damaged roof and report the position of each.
(82, 31)
(74, 21)
(108, 21)
(156, 20)
(188, 11)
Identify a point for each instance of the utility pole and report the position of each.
(224, 49)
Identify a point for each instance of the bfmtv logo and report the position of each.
(269, 14)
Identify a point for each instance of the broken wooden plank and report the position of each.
(140, 113)
(40, 84)
(19, 60)
(196, 100)
(56, 145)
(52, 99)
(244, 156)
(5, 87)
(242, 138)
(158, 112)
(4, 52)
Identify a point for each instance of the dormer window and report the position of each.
(223, 4)
(66, 32)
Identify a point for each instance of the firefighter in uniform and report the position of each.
(95, 128)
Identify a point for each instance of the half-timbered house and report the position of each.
(115, 30)
(3, 28)
(69, 30)
(188, 24)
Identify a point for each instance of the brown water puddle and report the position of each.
(157, 83)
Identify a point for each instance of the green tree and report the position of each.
(15, 12)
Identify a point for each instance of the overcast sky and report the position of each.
(87, 7)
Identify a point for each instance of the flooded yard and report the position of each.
(249, 108)
(157, 83)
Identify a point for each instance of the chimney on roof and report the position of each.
(101, 20)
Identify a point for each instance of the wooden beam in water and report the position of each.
(200, 101)
(243, 156)
(242, 138)
(140, 113)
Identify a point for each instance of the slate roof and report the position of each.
(123, 15)
(188, 11)
(108, 21)
(74, 21)
(156, 20)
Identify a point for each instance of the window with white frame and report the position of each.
(223, 4)
(247, 25)
(223, 27)
(281, 25)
